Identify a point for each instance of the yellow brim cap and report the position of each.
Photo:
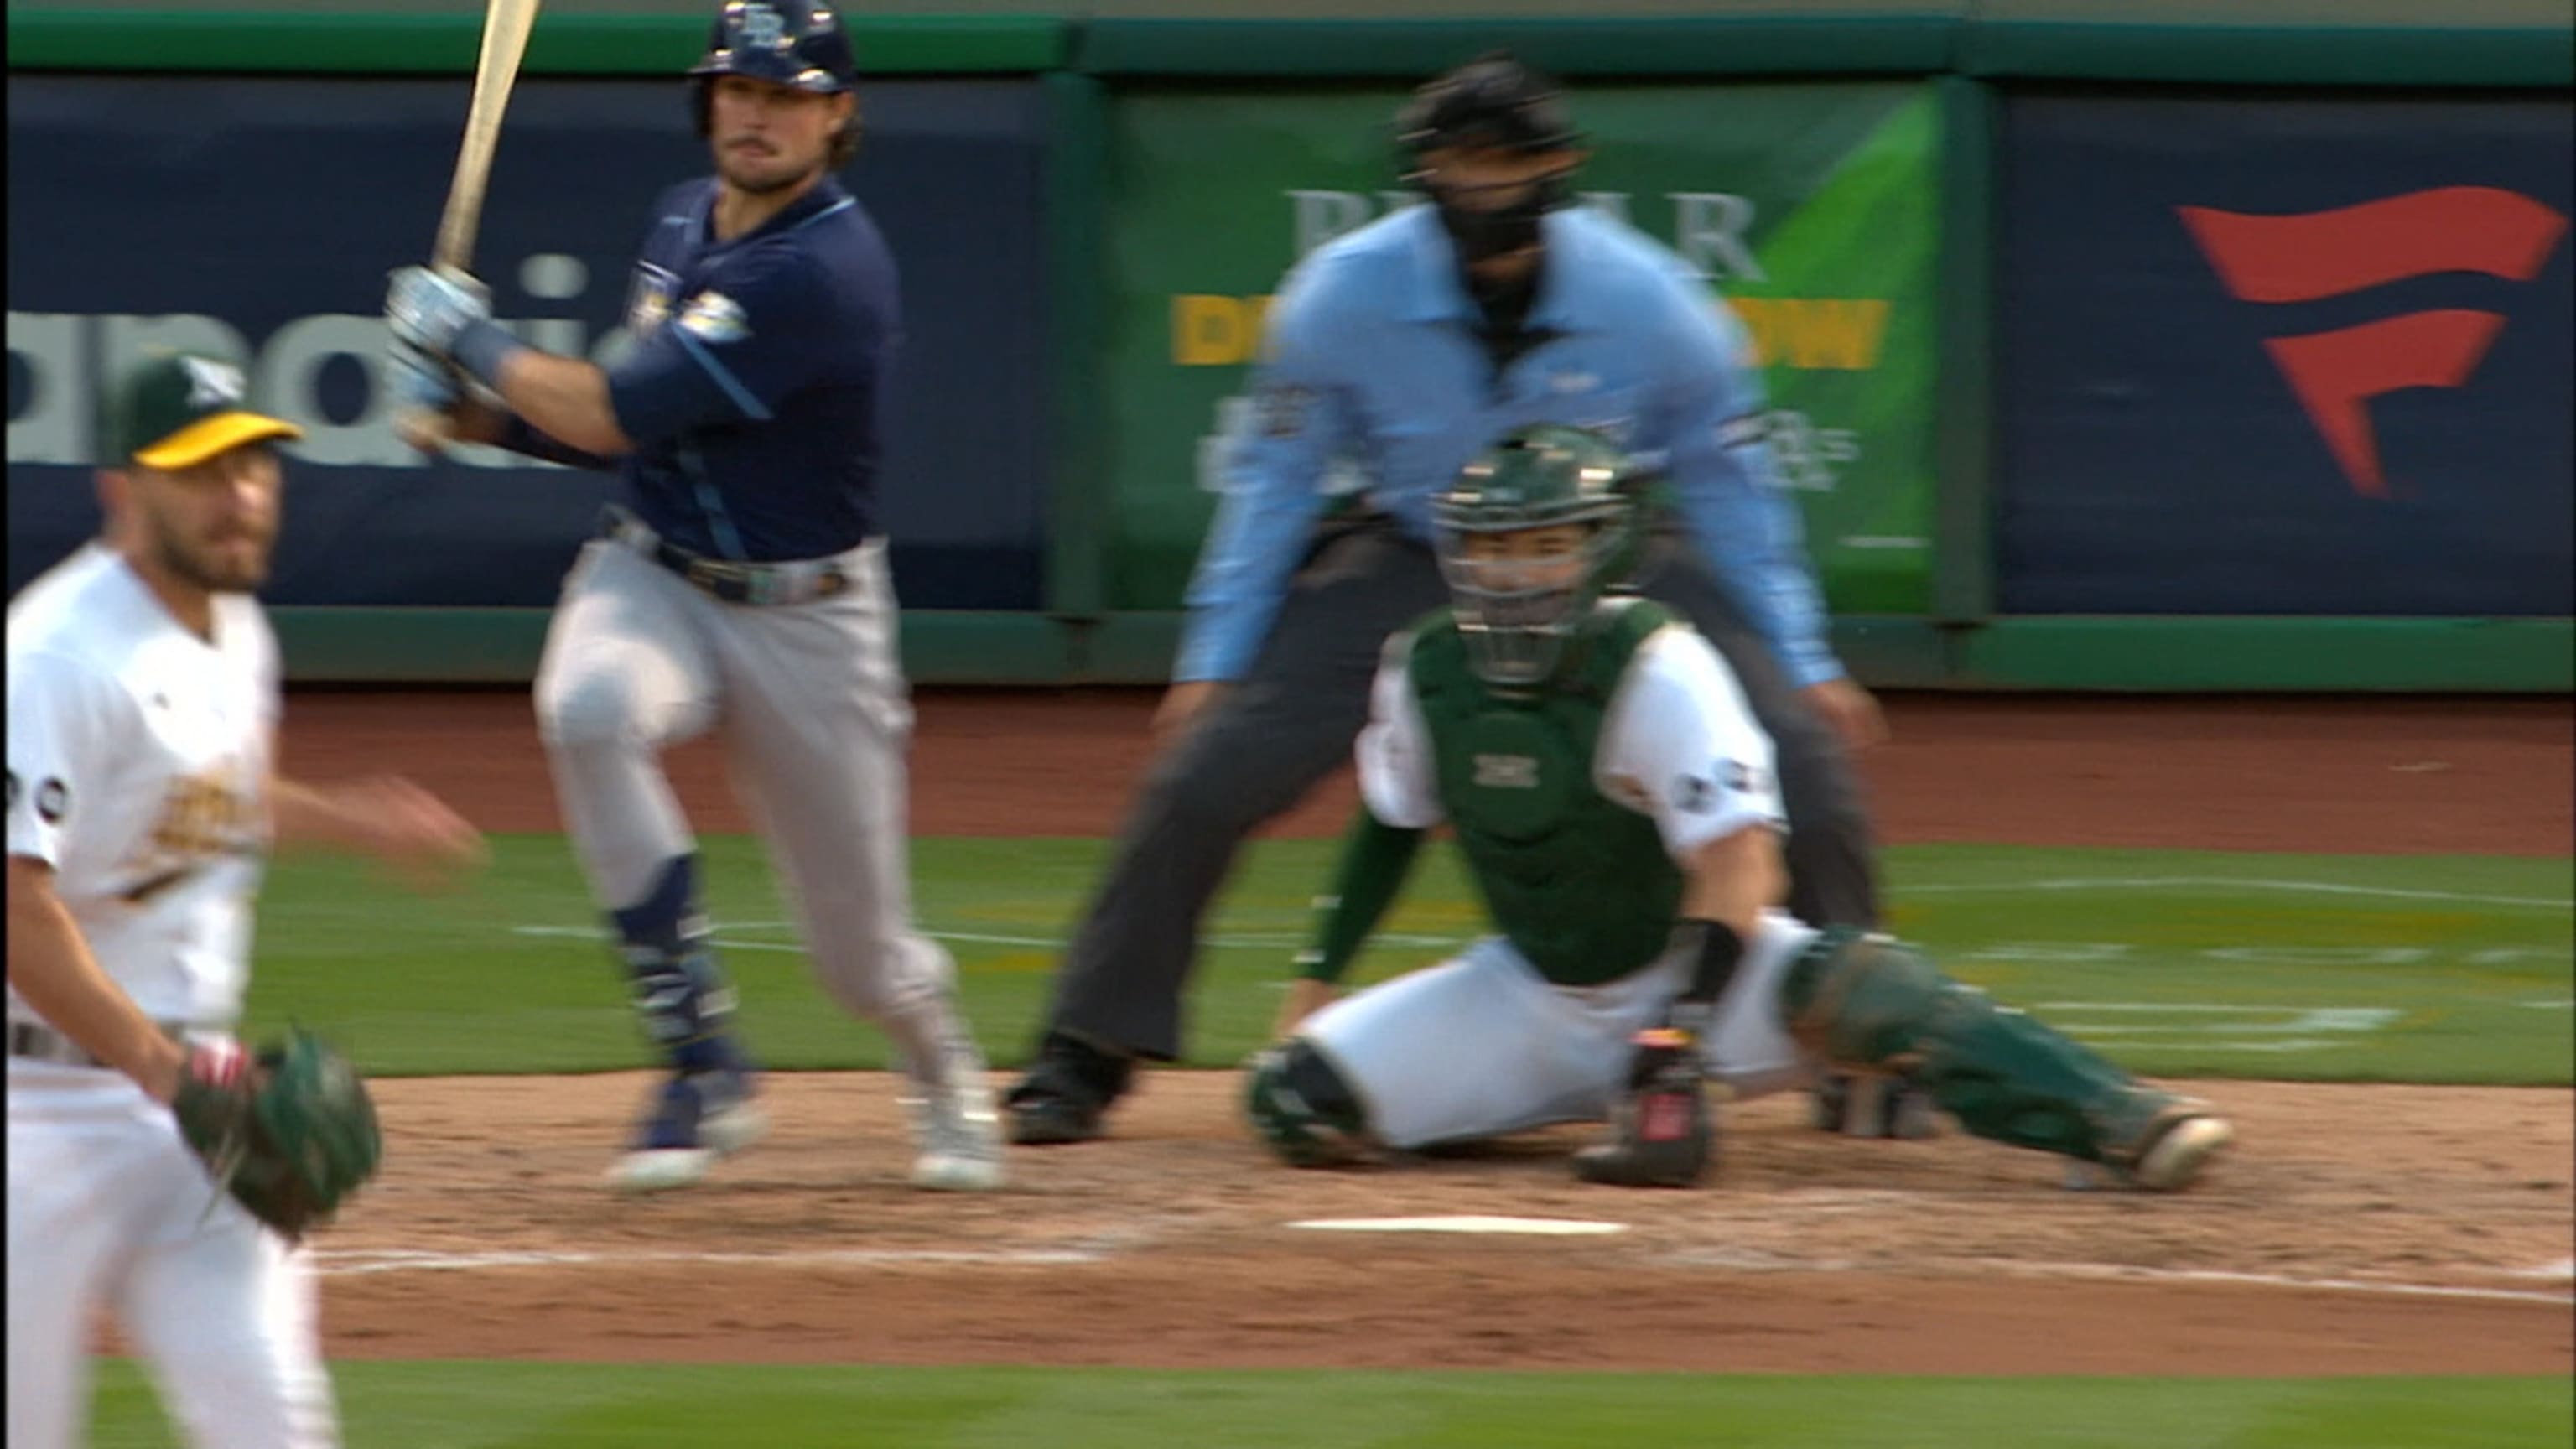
(208, 436)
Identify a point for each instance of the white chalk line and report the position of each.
(351, 1263)
(2194, 882)
(369, 1261)
(1091, 1248)
(2123, 1273)
(359, 1262)
(1270, 941)
(1286, 940)
(1757, 1260)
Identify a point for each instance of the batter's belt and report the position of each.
(733, 581)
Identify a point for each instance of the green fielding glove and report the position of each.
(290, 1134)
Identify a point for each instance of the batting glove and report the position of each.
(428, 308)
(418, 381)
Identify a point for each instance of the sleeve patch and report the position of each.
(715, 317)
(1744, 431)
(1280, 409)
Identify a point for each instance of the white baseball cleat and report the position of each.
(960, 1132)
(659, 1169)
(720, 1132)
(2176, 1158)
(948, 1172)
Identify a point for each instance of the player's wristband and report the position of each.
(481, 347)
(1714, 951)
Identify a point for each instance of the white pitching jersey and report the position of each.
(1677, 744)
(139, 759)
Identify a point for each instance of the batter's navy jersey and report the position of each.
(1371, 361)
(752, 394)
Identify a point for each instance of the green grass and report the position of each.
(2434, 969)
(513, 1405)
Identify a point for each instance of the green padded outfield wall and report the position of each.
(1102, 51)
(1811, 207)
(2345, 14)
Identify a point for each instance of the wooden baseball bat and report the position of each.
(506, 24)
(505, 39)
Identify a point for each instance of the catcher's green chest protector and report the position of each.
(1579, 882)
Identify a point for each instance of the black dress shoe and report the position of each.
(1066, 1093)
(1049, 1119)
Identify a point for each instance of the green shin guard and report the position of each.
(1861, 1000)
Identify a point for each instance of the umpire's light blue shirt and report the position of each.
(1371, 356)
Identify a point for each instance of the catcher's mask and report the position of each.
(1492, 103)
(1530, 535)
(795, 43)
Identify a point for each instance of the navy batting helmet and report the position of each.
(797, 43)
(790, 42)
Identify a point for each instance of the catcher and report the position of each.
(1616, 807)
(156, 1168)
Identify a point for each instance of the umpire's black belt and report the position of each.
(796, 581)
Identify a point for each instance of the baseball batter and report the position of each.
(143, 697)
(741, 587)
(1617, 810)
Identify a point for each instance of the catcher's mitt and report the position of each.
(290, 1133)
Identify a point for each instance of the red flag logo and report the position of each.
(2330, 253)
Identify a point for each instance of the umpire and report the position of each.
(1406, 348)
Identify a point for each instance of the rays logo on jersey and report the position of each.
(715, 317)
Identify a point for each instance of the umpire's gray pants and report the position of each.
(1289, 723)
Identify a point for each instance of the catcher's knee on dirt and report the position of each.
(1301, 1108)
(1866, 1001)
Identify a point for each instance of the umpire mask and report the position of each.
(1493, 104)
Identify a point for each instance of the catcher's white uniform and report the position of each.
(1482, 1044)
(139, 757)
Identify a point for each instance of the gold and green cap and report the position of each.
(176, 410)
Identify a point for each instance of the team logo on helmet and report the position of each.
(760, 25)
(212, 383)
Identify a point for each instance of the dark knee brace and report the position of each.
(1300, 1106)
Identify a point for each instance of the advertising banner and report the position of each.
(260, 216)
(2287, 357)
(1812, 208)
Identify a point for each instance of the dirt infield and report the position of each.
(2357, 1230)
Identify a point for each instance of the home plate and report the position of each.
(1466, 1223)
